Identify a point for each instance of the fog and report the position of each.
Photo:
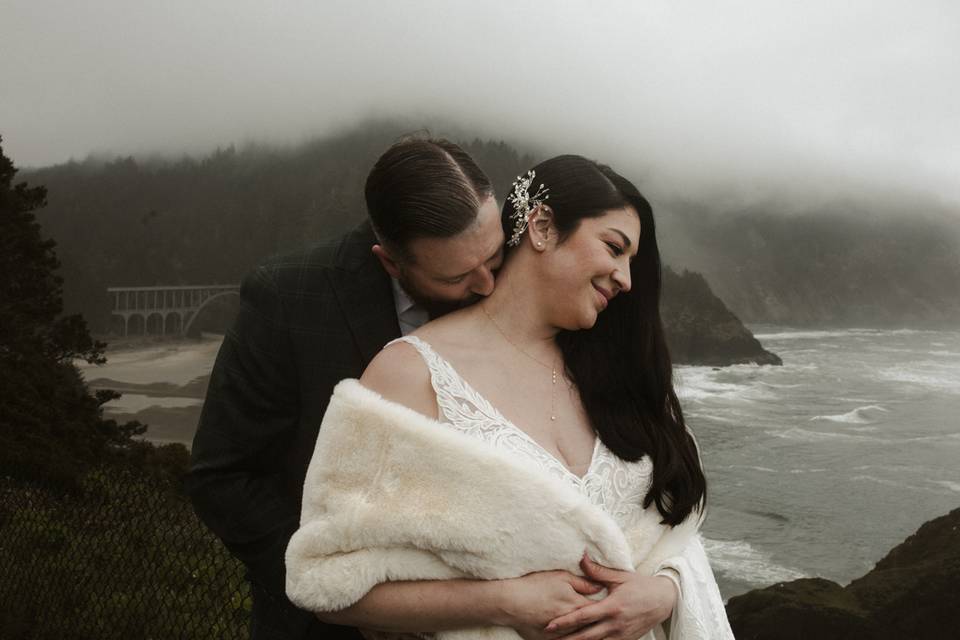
(746, 97)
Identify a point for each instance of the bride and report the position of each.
(563, 372)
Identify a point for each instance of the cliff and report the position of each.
(701, 329)
(911, 593)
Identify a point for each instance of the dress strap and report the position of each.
(430, 357)
(442, 373)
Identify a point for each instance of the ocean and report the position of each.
(821, 466)
(815, 468)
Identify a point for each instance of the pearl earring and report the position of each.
(539, 244)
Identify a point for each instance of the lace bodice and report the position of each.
(615, 485)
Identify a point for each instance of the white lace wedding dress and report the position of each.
(613, 484)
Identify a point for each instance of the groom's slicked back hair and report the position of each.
(423, 188)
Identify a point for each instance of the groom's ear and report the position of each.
(389, 264)
(540, 227)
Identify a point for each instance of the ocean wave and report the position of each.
(697, 384)
(713, 417)
(953, 486)
(898, 484)
(805, 435)
(942, 437)
(135, 402)
(855, 332)
(738, 559)
(907, 332)
(863, 477)
(779, 386)
(857, 416)
(924, 373)
(802, 335)
(752, 468)
(770, 470)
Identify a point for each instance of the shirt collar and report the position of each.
(401, 300)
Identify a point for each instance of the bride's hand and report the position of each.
(531, 601)
(634, 605)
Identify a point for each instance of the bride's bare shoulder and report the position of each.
(452, 334)
(398, 373)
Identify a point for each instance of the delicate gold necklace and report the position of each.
(553, 368)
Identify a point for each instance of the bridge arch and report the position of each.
(195, 314)
(166, 310)
(136, 325)
(155, 324)
(172, 323)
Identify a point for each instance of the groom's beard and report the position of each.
(433, 306)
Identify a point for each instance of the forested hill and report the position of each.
(130, 222)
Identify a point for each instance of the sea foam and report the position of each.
(925, 373)
(805, 435)
(953, 486)
(739, 560)
(860, 415)
(736, 383)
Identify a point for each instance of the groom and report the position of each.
(308, 320)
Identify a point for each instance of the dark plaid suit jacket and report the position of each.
(306, 321)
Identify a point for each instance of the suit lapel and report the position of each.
(365, 293)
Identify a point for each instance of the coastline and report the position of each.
(910, 593)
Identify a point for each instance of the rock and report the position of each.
(701, 329)
(911, 593)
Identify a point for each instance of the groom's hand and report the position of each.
(633, 606)
(530, 602)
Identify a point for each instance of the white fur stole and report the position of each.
(393, 495)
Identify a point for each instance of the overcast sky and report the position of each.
(748, 95)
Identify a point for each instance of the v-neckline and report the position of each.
(498, 415)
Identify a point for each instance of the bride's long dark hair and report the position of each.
(621, 366)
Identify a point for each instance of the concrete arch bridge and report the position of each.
(162, 310)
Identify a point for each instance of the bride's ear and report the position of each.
(540, 227)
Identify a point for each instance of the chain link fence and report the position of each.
(122, 557)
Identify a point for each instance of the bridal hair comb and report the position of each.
(524, 204)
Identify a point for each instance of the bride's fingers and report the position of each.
(598, 631)
(584, 586)
(600, 573)
(574, 620)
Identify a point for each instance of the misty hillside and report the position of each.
(897, 264)
(197, 221)
(133, 222)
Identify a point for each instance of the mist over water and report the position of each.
(820, 467)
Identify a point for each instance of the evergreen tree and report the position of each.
(51, 427)
(31, 294)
